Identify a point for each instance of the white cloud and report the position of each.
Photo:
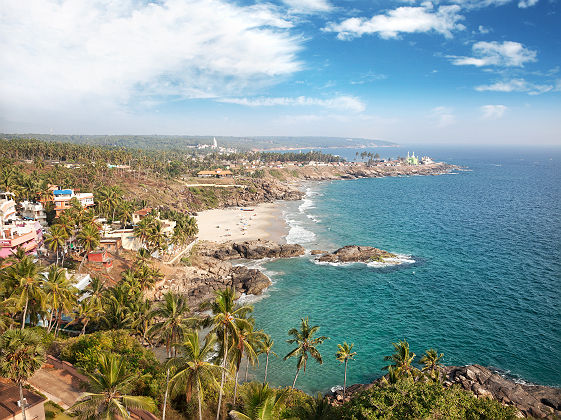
(483, 30)
(478, 4)
(344, 103)
(443, 116)
(516, 85)
(493, 112)
(425, 18)
(308, 6)
(507, 53)
(523, 4)
(111, 55)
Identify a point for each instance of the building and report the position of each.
(20, 234)
(138, 215)
(100, 259)
(7, 208)
(10, 403)
(34, 211)
(217, 173)
(412, 160)
(62, 198)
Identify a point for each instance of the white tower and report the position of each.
(214, 143)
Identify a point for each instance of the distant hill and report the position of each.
(151, 142)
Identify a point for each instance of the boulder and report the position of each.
(318, 252)
(355, 253)
(249, 280)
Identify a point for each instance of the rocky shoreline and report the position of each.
(534, 401)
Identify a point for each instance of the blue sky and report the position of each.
(454, 71)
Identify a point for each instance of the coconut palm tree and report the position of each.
(21, 354)
(306, 345)
(61, 295)
(260, 403)
(88, 238)
(344, 354)
(194, 372)
(317, 408)
(227, 319)
(431, 361)
(55, 240)
(28, 286)
(108, 387)
(402, 359)
(142, 320)
(174, 319)
(85, 312)
(247, 344)
(267, 349)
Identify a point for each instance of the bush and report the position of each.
(83, 352)
(428, 400)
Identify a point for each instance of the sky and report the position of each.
(410, 71)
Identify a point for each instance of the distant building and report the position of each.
(214, 143)
(100, 259)
(138, 215)
(34, 211)
(10, 403)
(62, 198)
(217, 173)
(412, 160)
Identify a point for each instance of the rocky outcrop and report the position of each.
(532, 400)
(250, 250)
(249, 280)
(355, 253)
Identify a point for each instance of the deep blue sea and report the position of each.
(484, 287)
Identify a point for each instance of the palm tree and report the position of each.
(141, 314)
(431, 361)
(94, 291)
(28, 285)
(305, 345)
(21, 354)
(85, 312)
(344, 354)
(61, 295)
(88, 238)
(174, 321)
(194, 372)
(108, 388)
(317, 408)
(247, 343)
(267, 348)
(402, 359)
(260, 403)
(227, 319)
(56, 239)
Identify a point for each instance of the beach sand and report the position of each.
(232, 224)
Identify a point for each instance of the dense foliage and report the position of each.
(422, 400)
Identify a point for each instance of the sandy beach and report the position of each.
(265, 221)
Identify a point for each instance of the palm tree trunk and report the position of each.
(82, 263)
(199, 392)
(84, 328)
(236, 386)
(246, 370)
(223, 373)
(21, 401)
(165, 396)
(345, 381)
(296, 377)
(266, 368)
(24, 313)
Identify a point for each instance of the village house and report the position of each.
(34, 211)
(7, 208)
(10, 408)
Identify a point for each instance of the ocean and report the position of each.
(481, 281)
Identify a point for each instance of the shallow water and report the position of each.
(483, 286)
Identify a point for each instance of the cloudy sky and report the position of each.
(448, 71)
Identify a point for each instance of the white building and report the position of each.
(7, 208)
(34, 211)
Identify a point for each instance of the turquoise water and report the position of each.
(485, 286)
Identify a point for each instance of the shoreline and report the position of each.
(265, 222)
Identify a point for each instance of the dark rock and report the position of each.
(250, 281)
(318, 252)
(355, 253)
